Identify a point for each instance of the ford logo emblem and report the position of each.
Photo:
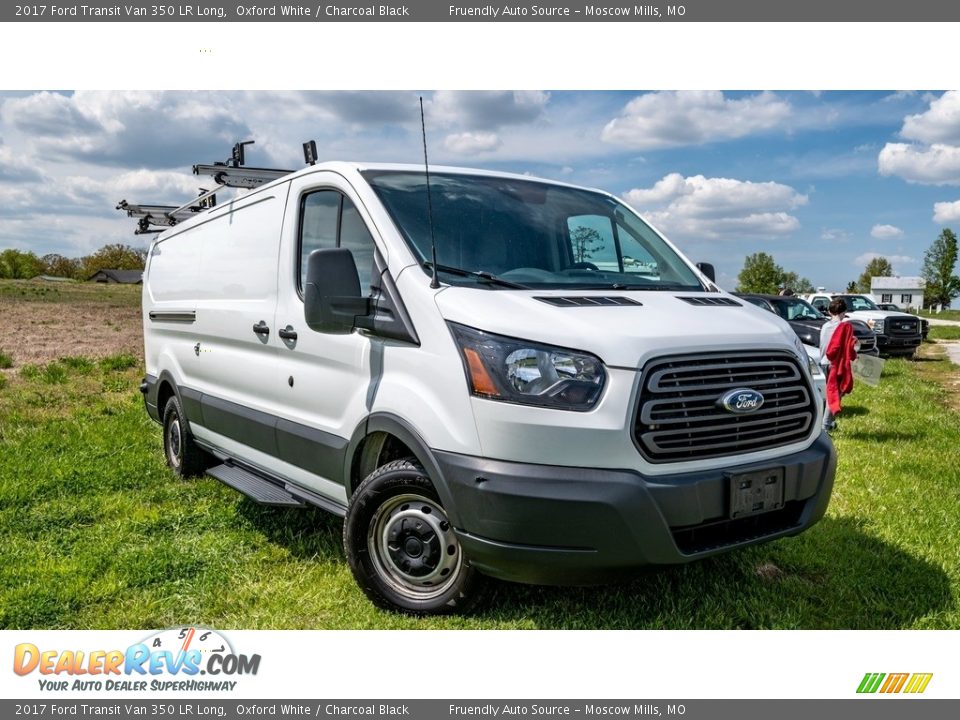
(741, 401)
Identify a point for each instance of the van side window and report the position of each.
(319, 217)
(355, 237)
(328, 219)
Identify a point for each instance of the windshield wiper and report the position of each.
(479, 274)
(633, 286)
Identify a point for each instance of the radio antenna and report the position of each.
(434, 282)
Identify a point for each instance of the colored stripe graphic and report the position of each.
(918, 682)
(894, 683)
(870, 682)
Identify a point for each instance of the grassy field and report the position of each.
(96, 533)
(944, 332)
(944, 315)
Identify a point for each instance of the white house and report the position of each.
(907, 292)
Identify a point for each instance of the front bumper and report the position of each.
(562, 525)
(887, 343)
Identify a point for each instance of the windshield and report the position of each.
(796, 309)
(858, 302)
(528, 233)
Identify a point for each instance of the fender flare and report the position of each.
(403, 431)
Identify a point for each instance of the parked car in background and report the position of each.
(889, 306)
(897, 332)
(806, 320)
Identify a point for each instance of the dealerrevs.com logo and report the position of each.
(911, 683)
(178, 659)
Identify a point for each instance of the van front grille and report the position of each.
(680, 415)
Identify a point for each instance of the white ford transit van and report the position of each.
(559, 397)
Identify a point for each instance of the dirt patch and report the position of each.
(945, 373)
(39, 332)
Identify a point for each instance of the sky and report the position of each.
(822, 181)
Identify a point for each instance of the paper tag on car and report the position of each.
(868, 369)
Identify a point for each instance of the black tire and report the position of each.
(183, 454)
(402, 549)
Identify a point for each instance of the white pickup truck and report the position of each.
(898, 333)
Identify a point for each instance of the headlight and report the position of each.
(876, 326)
(800, 348)
(814, 367)
(518, 371)
(856, 345)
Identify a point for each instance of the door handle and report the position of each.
(287, 333)
(261, 328)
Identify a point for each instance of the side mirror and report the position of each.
(707, 269)
(331, 294)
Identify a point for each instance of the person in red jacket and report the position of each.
(837, 355)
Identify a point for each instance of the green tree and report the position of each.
(939, 262)
(585, 241)
(795, 282)
(60, 266)
(114, 257)
(19, 265)
(852, 286)
(760, 274)
(877, 267)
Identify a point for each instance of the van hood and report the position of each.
(877, 314)
(620, 335)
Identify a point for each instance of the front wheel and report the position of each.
(402, 548)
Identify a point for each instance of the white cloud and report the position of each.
(933, 158)
(160, 186)
(862, 260)
(671, 119)
(934, 165)
(152, 129)
(701, 207)
(15, 167)
(944, 212)
(939, 124)
(472, 143)
(899, 95)
(885, 232)
(834, 235)
(487, 110)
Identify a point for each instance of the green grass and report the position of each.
(944, 332)
(6, 361)
(96, 533)
(71, 292)
(944, 315)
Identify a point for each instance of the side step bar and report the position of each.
(254, 486)
(268, 490)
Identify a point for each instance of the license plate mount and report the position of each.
(756, 492)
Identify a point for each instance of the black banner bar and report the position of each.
(868, 708)
(516, 11)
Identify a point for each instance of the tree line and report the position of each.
(21, 265)
(761, 274)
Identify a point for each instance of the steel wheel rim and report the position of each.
(413, 546)
(174, 441)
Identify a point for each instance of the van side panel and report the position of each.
(229, 256)
(222, 272)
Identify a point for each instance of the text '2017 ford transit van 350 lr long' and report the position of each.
(560, 397)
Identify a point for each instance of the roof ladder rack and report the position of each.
(231, 173)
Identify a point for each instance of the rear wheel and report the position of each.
(402, 548)
(183, 454)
